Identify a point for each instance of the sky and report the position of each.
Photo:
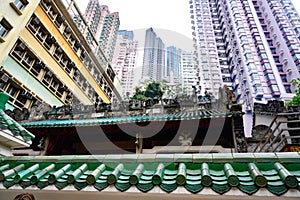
(142, 14)
(170, 19)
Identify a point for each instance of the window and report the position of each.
(11, 90)
(18, 5)
(5, 27)
(274, 88)
(288, 89)
(270, 77)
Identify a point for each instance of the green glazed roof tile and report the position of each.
(81, 171)
(193, 172)
(126, 119)
(15, 128)
(277, 190)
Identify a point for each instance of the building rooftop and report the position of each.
(12, 133)
(278, 173)
(94, 120)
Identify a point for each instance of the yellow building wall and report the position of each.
(69, 51)
(17, 21)
(49, 61)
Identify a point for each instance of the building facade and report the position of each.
(154, 57)
(46, 58)
(93, 17)
(250, 46)
(172, 67)
(104, 26)
(124, 61)
(188, 72)
(109, 32)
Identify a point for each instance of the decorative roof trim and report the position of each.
(126, 119)
(17, 130)
(275, 172)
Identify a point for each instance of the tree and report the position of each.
(139, 95)
(296, 98)
(153, 90)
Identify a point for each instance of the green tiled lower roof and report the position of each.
(199, 114)
(7, 123)
(247, 172)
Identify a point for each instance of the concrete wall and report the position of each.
(17, 21)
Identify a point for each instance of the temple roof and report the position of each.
(198, 114)
(14, 129)
(247, 172)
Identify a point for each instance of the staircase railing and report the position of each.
(273, 135)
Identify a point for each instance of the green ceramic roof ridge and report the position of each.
(126, 119)
(80, 171)
(281, 157)
(6, 122)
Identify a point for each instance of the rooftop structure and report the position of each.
(165, 176)
(12, 134)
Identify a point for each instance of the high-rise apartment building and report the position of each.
(124, 61)
(109, 32)
(126, 34)
(154, 56)
(188, 73)
(104, 26)
(252, 46)
(46, 58)
(173, 59)
(93, 17)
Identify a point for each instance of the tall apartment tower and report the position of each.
(124, 61)
(251, 46)
(154, 56)
(188, 72)
(93, 16)
(109, 32)
(104, 25)
(173, 59)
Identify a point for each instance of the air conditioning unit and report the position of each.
(65, 87)
(281, 52)
(51, 39)
(22, 46)
(60, 18)
(67, 29)
(49, 73)
(40, 64)
(59, 50)
(71, 64)
(36, 20)
(4, 78)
